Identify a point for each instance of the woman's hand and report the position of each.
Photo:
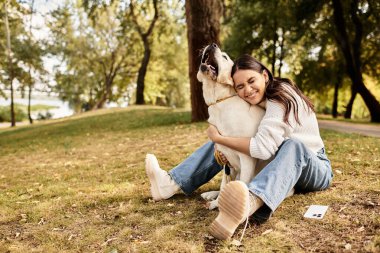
(213, 133)
(240, 144)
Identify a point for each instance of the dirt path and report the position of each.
(364, 129)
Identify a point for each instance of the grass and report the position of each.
(79, 185)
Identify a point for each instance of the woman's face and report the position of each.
(250, 85)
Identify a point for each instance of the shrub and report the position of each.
(5, 114)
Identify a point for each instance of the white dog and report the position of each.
(231, 115)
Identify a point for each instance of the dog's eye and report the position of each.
(225, 57)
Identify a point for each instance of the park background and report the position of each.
(127, 71)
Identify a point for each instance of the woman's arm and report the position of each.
(271, 133)
(240, 144)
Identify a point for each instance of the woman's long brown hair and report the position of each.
(275, 87)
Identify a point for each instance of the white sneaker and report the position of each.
(236, 204)
(162, 186)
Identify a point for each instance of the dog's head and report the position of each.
(215, 65)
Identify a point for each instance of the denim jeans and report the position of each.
(199, 168)
(293, 166)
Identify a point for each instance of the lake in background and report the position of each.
(62, 108)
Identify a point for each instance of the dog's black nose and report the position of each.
(203, 68)
(214, 45)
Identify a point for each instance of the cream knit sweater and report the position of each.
(273, 130)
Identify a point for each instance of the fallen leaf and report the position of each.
(58, 229)
(41, 222)
(236, 243)
(342, 208)
(361, 229)
(267, 231)
(108, 241)
(209, 237)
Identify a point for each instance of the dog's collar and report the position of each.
(221, 99)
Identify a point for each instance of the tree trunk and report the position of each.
(108, 80)
(10, 67)
(203, 27)
(336, 95)
(13, 116)
(145, 61)
(351, 52)
(29, 102)
(275, 39)
(101, 101)
(281, 55)
(350, 104)
(142, 73)
(30, 84)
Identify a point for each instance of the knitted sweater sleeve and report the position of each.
(272, 131)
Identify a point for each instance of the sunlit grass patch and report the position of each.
(79, 185)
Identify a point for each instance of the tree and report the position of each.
(145, 37)
(320, 62)
(21, 55)
(10, 63)
(30, 84)
(259, 27)
(203, 28)
(351, 49)
(98, 54)
(313, 51)
(166, 81)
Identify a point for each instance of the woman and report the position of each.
(288, 133)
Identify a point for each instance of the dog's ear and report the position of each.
(225, 79)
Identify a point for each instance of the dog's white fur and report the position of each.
(233, 116)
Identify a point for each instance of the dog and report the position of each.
(231, 115)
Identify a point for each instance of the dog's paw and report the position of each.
(211, 195)
(212, 204)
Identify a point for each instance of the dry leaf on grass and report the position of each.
(236, 243)
(108, 241)
(267, 231)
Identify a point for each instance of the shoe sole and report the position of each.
(233, 209)
(152, 177)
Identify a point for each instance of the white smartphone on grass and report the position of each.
(316, 212)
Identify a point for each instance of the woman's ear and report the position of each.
(266, 75)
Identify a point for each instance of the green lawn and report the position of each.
(79, 185)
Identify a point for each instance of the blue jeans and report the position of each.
(294, 166)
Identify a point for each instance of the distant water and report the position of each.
(62, 110)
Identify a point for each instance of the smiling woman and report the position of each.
(250, 85)
(255, 83)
